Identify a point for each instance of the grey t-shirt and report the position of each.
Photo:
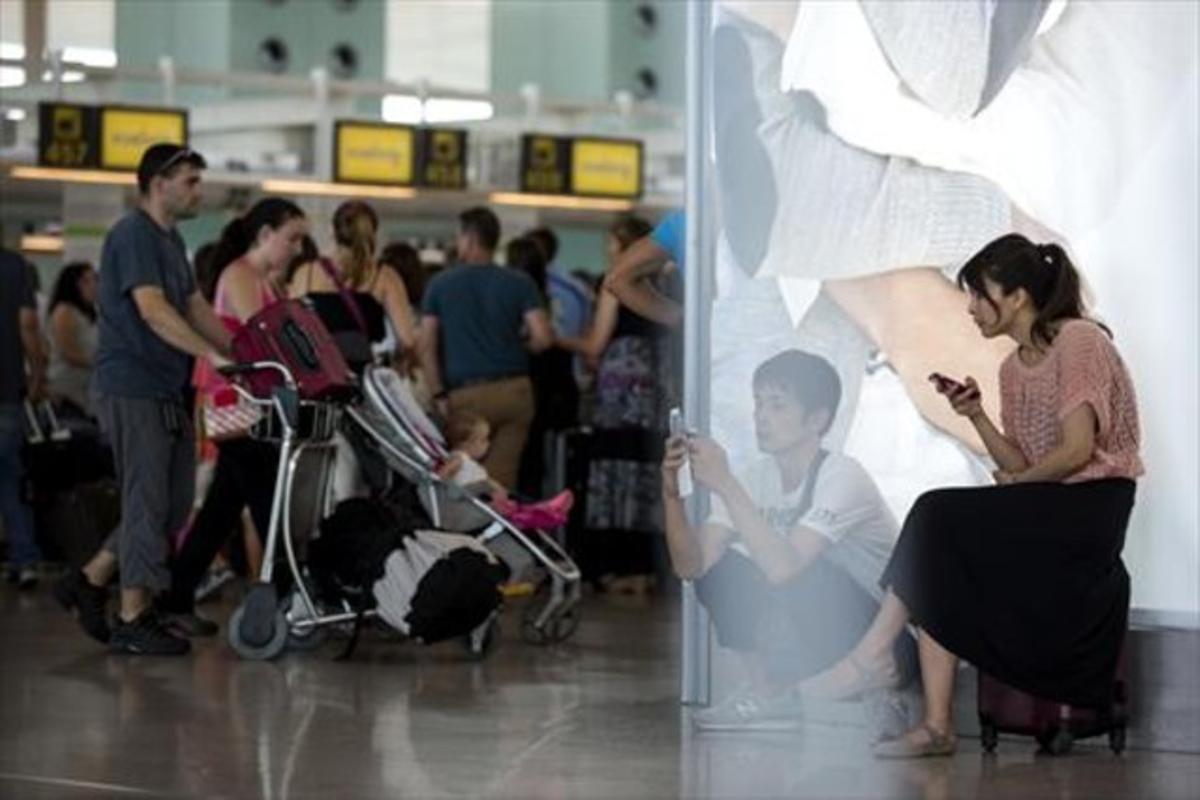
(15, 293)
(132, 360)
(481, 314)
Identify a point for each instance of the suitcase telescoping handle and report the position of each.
(35, 434)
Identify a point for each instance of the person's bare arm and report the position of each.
(693, 550)
(31, 341)
(428, 346)
(1071, 455)
(629, 281)
(918, 319)
(394, 298)
(171, 327)
(64, 332)
(780, 559)
(204, 321)
(600, 332)
(539, 331)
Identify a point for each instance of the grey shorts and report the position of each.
(154, 447)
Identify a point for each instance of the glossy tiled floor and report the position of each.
(594, 718)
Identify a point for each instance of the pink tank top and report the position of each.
(1082, 366)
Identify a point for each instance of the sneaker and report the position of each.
(147, 636)
(888, 714)
(752, 709)
(25, 578)
(212, 581)
(89, 604)
(189, 625)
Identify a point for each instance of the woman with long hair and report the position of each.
(1023, 579)
(248, 264)
(74, 335)
(352, 293)
(634, 385)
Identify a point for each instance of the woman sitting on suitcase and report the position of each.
(1023, 579)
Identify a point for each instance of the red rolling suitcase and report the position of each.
(292, 334)
(1003, 709)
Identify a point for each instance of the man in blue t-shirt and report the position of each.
(480, 323)
(153, 321)
(631, 278)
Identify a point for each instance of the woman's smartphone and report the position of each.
(949, 386)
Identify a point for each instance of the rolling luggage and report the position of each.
(70, 484)
(290, 333)
(1056, 726)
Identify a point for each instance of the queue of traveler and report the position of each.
(138, 345)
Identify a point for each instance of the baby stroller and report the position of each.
(294, 374)
(390, 425)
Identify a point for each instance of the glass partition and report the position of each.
(843, 170)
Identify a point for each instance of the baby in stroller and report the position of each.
(469, 437)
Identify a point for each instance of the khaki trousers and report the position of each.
(507, 405)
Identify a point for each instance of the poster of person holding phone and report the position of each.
(789, 561)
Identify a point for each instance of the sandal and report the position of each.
(939, 744)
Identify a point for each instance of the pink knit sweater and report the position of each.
(1082, 366)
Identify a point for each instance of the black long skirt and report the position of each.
(1024, 581)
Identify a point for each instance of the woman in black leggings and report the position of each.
(253, 252)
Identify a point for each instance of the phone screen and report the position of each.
(675, 422)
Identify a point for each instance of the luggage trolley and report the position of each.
(264, 623)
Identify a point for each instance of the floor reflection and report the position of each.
(597, 717)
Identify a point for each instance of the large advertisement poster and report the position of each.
(863, 151)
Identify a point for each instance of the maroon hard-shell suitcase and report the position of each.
(1003, 709)
(290, 333)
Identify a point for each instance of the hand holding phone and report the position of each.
(677, 429)
(964, 397)
(948, 386)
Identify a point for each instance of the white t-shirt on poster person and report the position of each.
(847, 509)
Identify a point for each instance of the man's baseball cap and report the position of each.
(159, 158)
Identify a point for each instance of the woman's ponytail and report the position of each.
(355, 225)
(1062, 297)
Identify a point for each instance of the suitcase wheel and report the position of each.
(1056, 741)
(988, 735)
(1116, 739)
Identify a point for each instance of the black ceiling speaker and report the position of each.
(343, 61)
(647, 18)
(273, 54)
(645, 84)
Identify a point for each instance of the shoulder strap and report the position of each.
(347, 296)
(810, 483)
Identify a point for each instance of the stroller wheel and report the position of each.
(480, 642)
(557, 628)
(258, 629)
